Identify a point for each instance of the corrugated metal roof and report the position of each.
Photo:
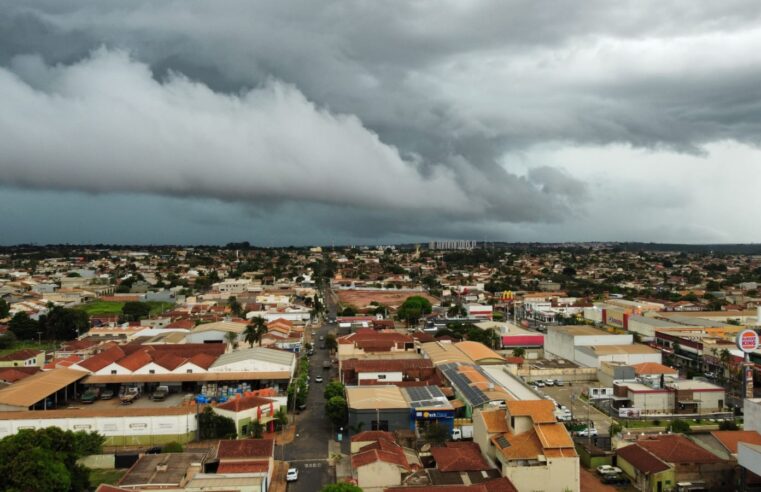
(256, 353)
(30, 390)
(196, 376)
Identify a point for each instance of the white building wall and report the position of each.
(251, 365)
(152, 366)
(108, 426)
(206, 336)
(113, 367)
(392, 377)
(752, 414)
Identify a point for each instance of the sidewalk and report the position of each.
(343, 464)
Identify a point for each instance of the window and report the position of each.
(379, 425)
(152, 371)
(189, 371)
(113, 371)
(381, 376)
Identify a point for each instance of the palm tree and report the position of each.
(232, 338)
(260, 328)
(250, 335)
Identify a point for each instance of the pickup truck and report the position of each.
(90, 395)
(160, 394)
(462, 432)
(128, 394)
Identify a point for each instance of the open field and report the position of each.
(390, 298)
(115, 307)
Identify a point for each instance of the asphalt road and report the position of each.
(580, 409)
(309, 451)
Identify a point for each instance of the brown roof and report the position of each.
(494, 420)
(245, 467)
(553, 436)
(13, 374)
(478, 351)
(101, 360)
(459, 456)
(89, 412)
(135, 360)
(29, 391)
(520, 447)
(195, 376)
(380, 365)
(245, 448)
(373, 436)
(653, 368)
(676, 448)
(502, 484)
(23, 354)
(641, 459)
(540, 411)
(387, 456)
(730, 439)
(245, 403)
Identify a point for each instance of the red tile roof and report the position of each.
(373, 455)
(23, 354)
(373, 436)
(459, 457)
(245, 403)
(641, 459)
(382, 365)
(676, 448)
(246, 467)
(245, 448)
(101, 360)
(730, 439)
(502, 484)
(135, 360)
(13, 374)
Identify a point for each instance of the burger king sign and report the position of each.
(747, 341)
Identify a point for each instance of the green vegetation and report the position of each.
(412, 309)
(337, 410)
(334, 388)
(115, 307)
(19, 345)
(331, 343)
(468, 331)
(340, 487)
(679, 426)
(172, 447)
(46, 459)
(213, 426)
(298, 388)
(108, 476)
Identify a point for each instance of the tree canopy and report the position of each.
(213, 426)
(334, 388)
(340, 487)
(413, 308)
(134, 311)
(336, 410)
(46, 459)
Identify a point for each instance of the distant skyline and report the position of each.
(303, 123)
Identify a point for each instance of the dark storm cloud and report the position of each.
(415, 116)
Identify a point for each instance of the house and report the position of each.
(245, 410)
(460, 457)
(661, 462)
(382, 464)
(253, 457)
(493, 485)
(529, 446)
(385, 371)
(166, 470)
(13, 374)
(23, 358)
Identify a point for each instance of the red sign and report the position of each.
(747, 340)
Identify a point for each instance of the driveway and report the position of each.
(569, 396)
(309, 450)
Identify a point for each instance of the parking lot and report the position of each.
(172, 400)
(569, 396)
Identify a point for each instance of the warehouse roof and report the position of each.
(479, 352)
(39, 386)
(229, 326)
(581, 330)
(635, 348)
(195, 376)
(444, 352)
(372, 397)
(256, 353)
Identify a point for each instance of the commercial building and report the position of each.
(428, 405)
(472, 386)
(631, 354)
(528, 444)
(563, 341)
(246, 410)
(378, 408)
(42, 390)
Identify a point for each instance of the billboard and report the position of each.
(629, 412)
(747, 341)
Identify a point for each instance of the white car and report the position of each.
(549, 382)
(559, 383)
(608, 470)
(587, 432)
(539, 384)
(293, 475)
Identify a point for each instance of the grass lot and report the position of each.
(27, 345)
(115, 307)
(109, 476)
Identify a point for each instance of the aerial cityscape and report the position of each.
(455, 246)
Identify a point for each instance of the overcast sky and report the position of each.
(303, 122)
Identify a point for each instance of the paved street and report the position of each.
(580, 409)
(309, 451)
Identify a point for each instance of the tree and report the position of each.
(334, 388)
(5, 308)
(257, 429)
(519, 352)
(23, 327)
(235, 307)
(232, 338)
(135, 311)
(340, 487)
(436, 433)
(330, 342)
(213, 426)
(64, 324)
(456, 311)
(679, 426)
(336, 410)
(46, 459)
(348, 311)
(413, 308)
(255, 331)
(728, 425)
(172, 447)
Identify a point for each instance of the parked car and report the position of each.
(591, 431)
(293, 475)
(90, 395)
(559, 383)
(128, 394)
(160, 394)
(614, 479)
(318, 379)
(609, 470)
(107, 394)
(549, 382)
(322, 338)
(539, 384)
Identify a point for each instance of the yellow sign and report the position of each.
(508, 295)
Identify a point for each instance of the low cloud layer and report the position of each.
(444, 119)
